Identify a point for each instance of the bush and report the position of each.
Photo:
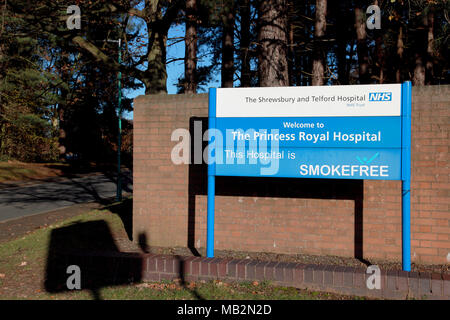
(30, 139)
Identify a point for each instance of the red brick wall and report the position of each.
(313, 216)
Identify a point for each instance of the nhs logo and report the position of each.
(380, 96)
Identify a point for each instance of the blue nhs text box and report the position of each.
(309, 147)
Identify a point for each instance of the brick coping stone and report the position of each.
(336, 279)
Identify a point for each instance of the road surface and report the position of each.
(18, 202)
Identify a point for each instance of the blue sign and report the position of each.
(332, 147)
(337, 132)
(349, 132)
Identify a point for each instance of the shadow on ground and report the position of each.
(66, 192)
(91, 247)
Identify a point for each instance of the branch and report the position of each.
(92, 49)
(107, 61)
(131, 11)
(138, 13)
(171, 13)
(174, 60)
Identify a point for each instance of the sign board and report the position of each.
(351, 132)
(329, 132)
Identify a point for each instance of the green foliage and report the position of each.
(56, 98)
(25, 130)
(29, 138)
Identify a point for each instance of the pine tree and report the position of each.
(319, 62)
(190, 57)
(272, 41)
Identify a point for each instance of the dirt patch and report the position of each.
(21, 171)
(15, 173)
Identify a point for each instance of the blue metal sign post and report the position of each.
(337, 132)
(406, 176)
(211, 177)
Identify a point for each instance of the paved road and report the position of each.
(17, 202)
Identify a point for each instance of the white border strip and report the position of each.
(317, 101)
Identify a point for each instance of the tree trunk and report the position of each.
(380, 56)
(228, 45)
(424, 46)
(400, 49)
(318, 69)
(342, 43)
(272, 40)
(2, 48)
(306, 59)
(245, 43)
(419, 71)
(361, 43)
(62, 134)
(190, 57)
(430, 49)
(2, 70)
(291, 55)
(155, 77)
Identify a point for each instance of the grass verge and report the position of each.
(23, 266)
